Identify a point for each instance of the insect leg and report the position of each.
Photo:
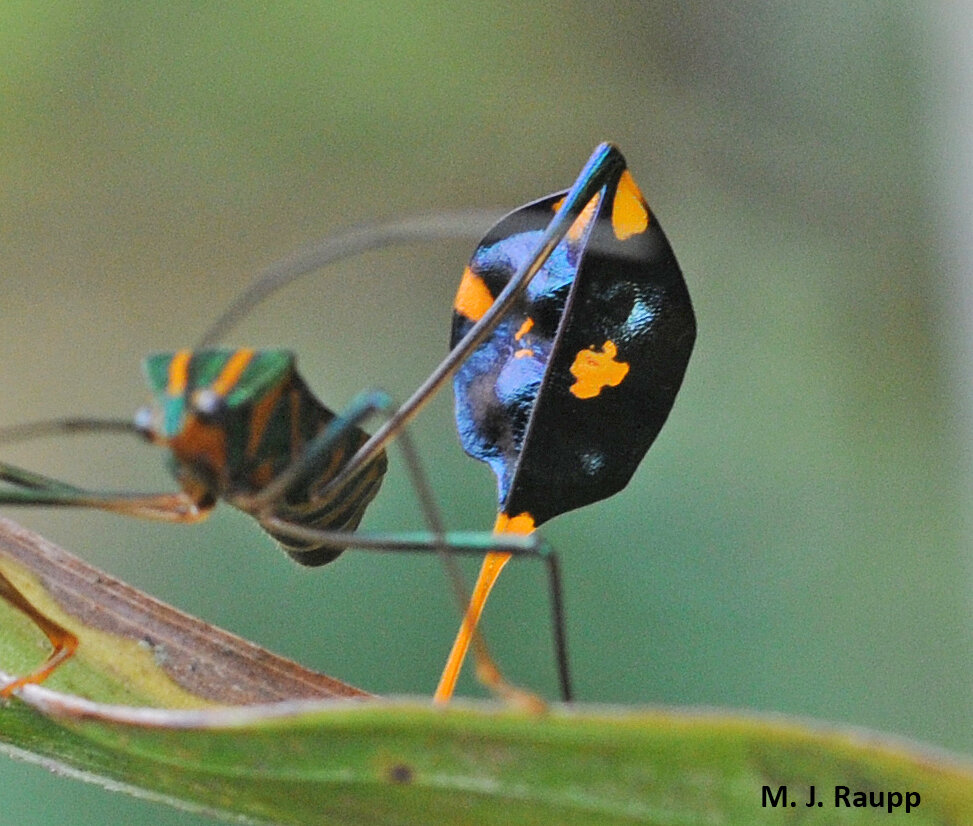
(495, 559)
(317, 455)
(63, 642)
(435, 540)
(30, 488)
(35, 489)
(471, 543)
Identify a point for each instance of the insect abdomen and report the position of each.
(340, 511)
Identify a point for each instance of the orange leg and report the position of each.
(63, 641)
(493, 563)
(486, 669)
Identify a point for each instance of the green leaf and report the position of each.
(158, 730)
(353, 762)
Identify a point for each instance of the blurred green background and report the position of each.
(798, 539)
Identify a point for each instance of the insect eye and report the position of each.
(145, 422)
(207, 405)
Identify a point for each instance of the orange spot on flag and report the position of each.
(473, 298)
(596, 369)
(521, 523)
(630, 216)
(584, 219)
(524, 328)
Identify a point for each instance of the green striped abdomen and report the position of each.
(338, 511)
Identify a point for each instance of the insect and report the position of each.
(571, 334)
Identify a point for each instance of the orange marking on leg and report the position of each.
(493, 563)
(630, 215)
(179, 373)
(193, 504)
(232, 371)
(63, 642)
(473, 298)
(597, 369)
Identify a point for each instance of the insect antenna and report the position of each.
(437, 227)
(67, 426)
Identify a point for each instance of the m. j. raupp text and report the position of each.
(843, 797)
